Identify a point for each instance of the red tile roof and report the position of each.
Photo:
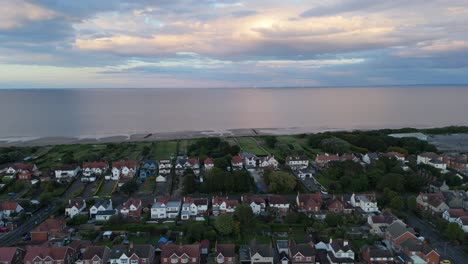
(208, 161)
(56, 253)
(327, 158)
(7, 254)
(464, 220)
(130, 201)
(50, 223)
(229, 202)
(255, 199)
(95, 165)
(277, 199)
(124, 163)
(454, 213)
(236, 159)
(193, 251)
(23, 166)
(9, 205)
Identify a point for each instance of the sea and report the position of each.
(101, 112)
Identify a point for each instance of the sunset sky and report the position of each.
(229, 43)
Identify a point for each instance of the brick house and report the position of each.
(50, 228)
(301, 253)
(335, 205)
(49, 255)
(133, 254)
(397, 233)
(433, 202)
(223, 205)
(279, 203)
(131, 208)
(183, 254)
(415, 246)
(225, 254)
(377, 255)
(94, 255)
(11, 255)
(309, 203)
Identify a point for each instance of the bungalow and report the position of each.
(208, 163)
(124, 168)
(433, 202)
(131, 208)
(165, 166)
(10, 207)
(236, 163)
(225, 254)
(261, 253)
(377, 254)
(268, 162)
(301, 253)
(180, 254)
(94, 255)
(11, 255)
(257, 204)
(66, 172)
(94, 168)
(297, 162)
(49, 255)
(223, 205)
(49, 229)
(100, 205)
(250, 160)
(309, 203)
(366, 201)
(397, 233)
(279, 203)
(74, 207)
(193, 207)
(133, 254)
(451, 215)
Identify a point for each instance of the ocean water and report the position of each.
(76, 112)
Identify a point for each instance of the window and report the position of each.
(308, 258)
(134, 261)
(96, 262)
(174, 260)
(48, 262)
(143, 261)
(124, 261)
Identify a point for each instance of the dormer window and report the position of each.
(220, 259)
(174, 260)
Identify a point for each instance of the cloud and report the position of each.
(18, 13)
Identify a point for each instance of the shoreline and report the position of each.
(162, 136)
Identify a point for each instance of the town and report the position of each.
(385, 196)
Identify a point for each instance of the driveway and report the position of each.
(444, 248)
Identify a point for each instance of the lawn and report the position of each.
(147, 187)
(183, 145)
(164, 149)
(248, 144)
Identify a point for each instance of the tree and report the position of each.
(333, 220)
(78, 220)
(245, 216)
(335, 145)
(221, 163)
(225, 224)
(146, 150)
(454, 232)
(129, 187)
(411, 202)
(270, 141)
(68, 158)
(189, 184)
(281, 182)
(397, 203)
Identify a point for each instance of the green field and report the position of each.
(249, 144)
(164, 149)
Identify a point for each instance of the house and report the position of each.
(94, 168)
(103, 216)
(183, 163)
(378, 223)
(438, 186)
(397, 233)
(322, 160)
(249, 159)
(204, 247)
(100, 205)
(370, 157)
(457, 162)
(22, 167)
(150, 165)
(309, 203)
(261, 253)
(268, 162)
(131, 208)
(433, 202)
(335, 205)
(24, 176)
(10, 207)
(225, 254)
(94, 255)
(438, 164)
(223, 205)
(66, 172)
(173, 208)
(158, 209)
(279, 203)
(49, 229)
(208, 163)
(124, 168)
(236, 163)
(180, 254)
(74, 207)
(339, 251)
(377, 254)
(426, 157)
(193, 207)
(462, 221)
(257, 204)
(396, 155)
(451, 215)
(297, 162)
(305, 173)
(301, 253)
(244, 254)
(366, 201)
(49, 255)
(165, 166)
(11, 255)
(132, 254)
(416, 247)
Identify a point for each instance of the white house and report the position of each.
(463, 223)
(165, 166)
(124, 168)
(367, 202)
(425, 157)
(297, 161)
(158, 210)
(261, 254)
(340, 252)
(250, 160)
(257, 204)
(10, 207)
(236, 162)
(161, 178)
(193, 207)
(451, 215)
(94, 168)
(131, 208)
(223, 205)
(173, 208)
(268, 162)
(100, 206)
(369, 157)
(438, 164)
(74, 207)
(21, 167)
(208, 164)
(66, 172)
(280, 203)
(103, 216)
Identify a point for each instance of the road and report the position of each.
(444, 248)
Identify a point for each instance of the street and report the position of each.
(445, 249)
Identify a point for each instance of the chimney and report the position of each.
(131, 245)
(345, 242)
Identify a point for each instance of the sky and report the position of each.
(232, 43)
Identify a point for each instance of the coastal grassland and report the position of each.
(164, 149)
(183, 146)
(249, 144)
